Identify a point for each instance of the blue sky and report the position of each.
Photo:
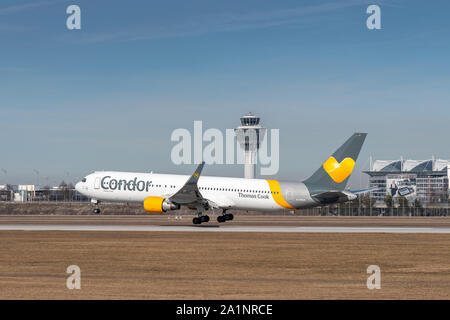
(108, 96)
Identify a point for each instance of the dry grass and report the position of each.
(175, 265)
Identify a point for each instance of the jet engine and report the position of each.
(159, 205)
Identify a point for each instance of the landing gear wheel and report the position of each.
(221, 219)
(96, 210)
(228, 217)
(196, 221)
(204, 218)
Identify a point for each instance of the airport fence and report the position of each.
(354, 208)
(427, 211)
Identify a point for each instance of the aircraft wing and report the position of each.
(189, 193)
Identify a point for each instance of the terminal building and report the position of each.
(425, 180)
(32, 193)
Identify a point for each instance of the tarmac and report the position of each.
(283, 224)
(17, 227)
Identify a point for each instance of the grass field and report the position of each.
(176, 265)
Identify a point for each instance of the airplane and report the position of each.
(160, 193)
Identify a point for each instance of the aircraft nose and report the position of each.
(78, 186)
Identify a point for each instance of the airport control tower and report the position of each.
(250, 134)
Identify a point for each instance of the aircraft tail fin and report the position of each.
(335, 171)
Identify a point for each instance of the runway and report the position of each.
(222, 228)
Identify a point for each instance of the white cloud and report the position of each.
(24, 6)
(224, 22)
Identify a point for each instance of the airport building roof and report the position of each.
(431, 166)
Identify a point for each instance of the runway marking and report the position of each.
(222, 228)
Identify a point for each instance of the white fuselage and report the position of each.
(233, 193)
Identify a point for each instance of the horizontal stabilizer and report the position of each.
(366, 190)
(334, 196)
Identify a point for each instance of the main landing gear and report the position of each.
(225, 217)
(96, 209)
(200, 220)
(204, 218)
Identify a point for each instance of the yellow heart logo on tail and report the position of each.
(339, 171)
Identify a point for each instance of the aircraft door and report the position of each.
(97, 183)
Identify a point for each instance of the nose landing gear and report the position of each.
(96, 209)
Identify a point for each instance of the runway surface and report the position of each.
(277, 224)
(130, 228)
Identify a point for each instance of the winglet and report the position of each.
(196, 175)
(189, 193)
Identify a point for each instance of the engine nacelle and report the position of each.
(159, 205)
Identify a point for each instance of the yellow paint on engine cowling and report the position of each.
(154, 204)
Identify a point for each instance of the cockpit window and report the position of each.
(83, 180)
